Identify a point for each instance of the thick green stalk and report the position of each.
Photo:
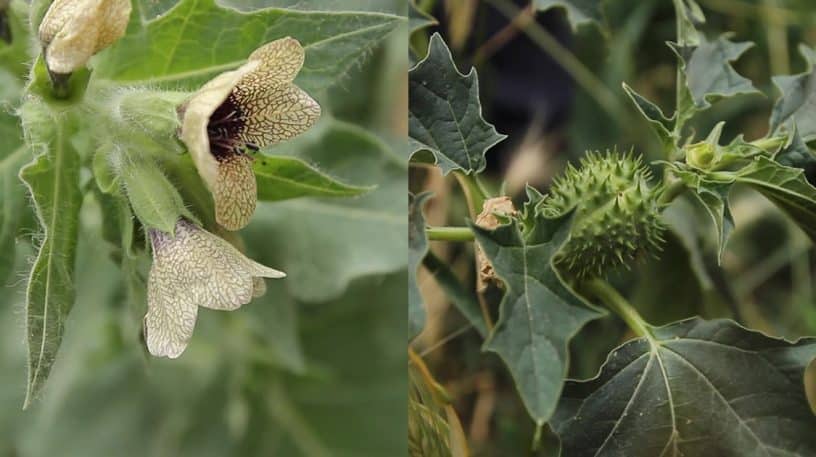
(617, 304)
(449, 234)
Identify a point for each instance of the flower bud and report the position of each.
(701, 155)
(74, 30)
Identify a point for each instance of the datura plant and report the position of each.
(613, 241)
(145, 122)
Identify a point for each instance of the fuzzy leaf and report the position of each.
(578, 11)
(696, 388)
(53, 183)
(538, 315)
(417, 249)
(282, 178)
(709, 74)
(168, 52)
(445, 114)
(787, 188)
(797, 102)
(348, 237)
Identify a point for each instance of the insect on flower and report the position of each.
(190, 269)
(243, 110)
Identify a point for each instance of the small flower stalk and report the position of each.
(243, 110)
(72, 31)
(191, 269)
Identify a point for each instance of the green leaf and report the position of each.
(417, 249)
(714, 198)
(709, 74)
(282, 178)
(418, 19)
(661, 125)
(53, 183)
(808, 53)
(711, 192)
(689, 15)
(787, 188)
(797, 102)
(796, 153)
(463, 299)
(168, 51)
(694, 388)
(444, 112)
(343, 238)
(370, 321)
(578, 11)
(539, 314)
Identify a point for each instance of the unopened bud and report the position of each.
(72, 31)
(701, 155)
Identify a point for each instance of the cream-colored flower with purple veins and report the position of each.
(191, 269)
(74, 30)
(251, 107)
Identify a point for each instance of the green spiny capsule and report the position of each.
(616, 213)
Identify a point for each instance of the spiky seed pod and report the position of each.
(616, 213)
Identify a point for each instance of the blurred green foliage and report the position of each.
(310, 369)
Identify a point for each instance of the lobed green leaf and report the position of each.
(539, 314)
(795, 107)
(709, 74)
(787, 188)
(693, 388)
(444, 112)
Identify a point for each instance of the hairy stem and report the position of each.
(671, 191)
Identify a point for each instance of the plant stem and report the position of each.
(615, 302)
(462, 234)
(670, 192)
(475, 192)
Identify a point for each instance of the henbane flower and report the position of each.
(72, 31)
(249, 108)
(191, 269)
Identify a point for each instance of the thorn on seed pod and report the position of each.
(616, 213)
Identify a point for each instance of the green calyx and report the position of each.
(616, 218)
